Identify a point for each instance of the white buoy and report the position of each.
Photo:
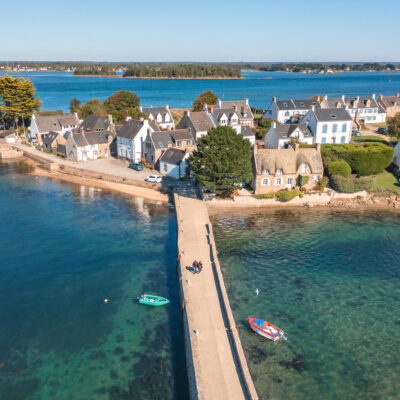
(105, 300)
(257, 291)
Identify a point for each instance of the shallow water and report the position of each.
(331, 280)
(63, 249)
(56, 89)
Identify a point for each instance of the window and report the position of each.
(278, 181)
(290, 181)
(333, 140)
(279, 171)
(370, 110)
(304, 168)
(369, 118)
(283, 134)
(266, 172)
(343, 139)
(374, 118)
(286, 113)
(265, 182)
(323, 140)
(315, 178)
(334, 128)
(179, 144)
(324, 128)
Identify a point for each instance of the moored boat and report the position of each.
(266, 329)
(153, 300)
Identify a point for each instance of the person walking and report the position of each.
(200, 266)
(195, 266)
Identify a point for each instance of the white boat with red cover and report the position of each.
(266, 329)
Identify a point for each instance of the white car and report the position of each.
(153, 179)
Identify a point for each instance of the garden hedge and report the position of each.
(287, 195)
(347, 185)
(370, 159)
(341, 168)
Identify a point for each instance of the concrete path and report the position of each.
(220, 368)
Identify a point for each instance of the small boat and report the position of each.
(266, 329)
(152, 300)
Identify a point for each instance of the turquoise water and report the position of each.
(331, 280)
(56, 89)
(63, 250)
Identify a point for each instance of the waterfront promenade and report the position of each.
(217, 366)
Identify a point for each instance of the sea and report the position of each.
(64, 249)
(331, 280)
(56, 89)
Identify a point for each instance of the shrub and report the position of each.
(287, 195)
(302, 180)
(372, 158)
(321, 184)
(341, 168)
(306, 146)
(264, 196)
(347, 185)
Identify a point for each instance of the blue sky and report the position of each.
(204, 30)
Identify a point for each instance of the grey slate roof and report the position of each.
(93, 123)
(55, 122)
(50, 138)
(154, 111)
(288, 160)
(332, 114)
(173, 156)
(217, 114)
(200, 121)
(285, 130)
(161, 140)
(130, 129)
(246, 131)
(351, 102)
(89, 139)
(243, 109)
(296, 104)
(181, 134)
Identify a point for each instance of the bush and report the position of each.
(287, 195)
(341, 168)
(347, 185)
(302, 180)
(370, 159)
(321, 184)
(264, 196)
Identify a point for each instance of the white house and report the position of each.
(365, 109)
(283, 110)
(173, 163)
(42, 125)
(131, 137)
(241, 107)
(161, 115)
(329, 125)
(396, 156)
(280, 136)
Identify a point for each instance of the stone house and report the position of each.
(42, 125)
(391, 104)
(92, 123)
(161, 115)
(173, 163)
(157, 143)
(277, 169)
(283, 111)
(52, 140)
(85, 146)
(280, 136)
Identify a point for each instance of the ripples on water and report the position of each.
(330, 279)
(63, 249)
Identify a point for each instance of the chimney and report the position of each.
(273, 125)
(380, 96)
(167, 107)
(397, 95)
(186, 113)
(358, 99)
(312, 107)
(343, 98)
(211, 109)
(219, 103)
(373, 96)
(235, 107)
(325, 97)
(141, 108)
(274, 99)
(247, 101)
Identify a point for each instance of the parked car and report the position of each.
(135, 166)
(355, 132)
(383, 131)
(153, 179)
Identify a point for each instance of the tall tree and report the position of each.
(17, 99)
(394, 125)
(123, 104)
(208, 97)
(92, 107)
(75, 105)
(222, 160)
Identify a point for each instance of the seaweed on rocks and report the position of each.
(118, 351)
(297, 363)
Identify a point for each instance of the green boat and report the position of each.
(153, 300)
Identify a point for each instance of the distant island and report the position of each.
(184, 71)
(171, 70)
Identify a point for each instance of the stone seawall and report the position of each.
(217, 367)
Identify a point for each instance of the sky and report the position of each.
(204, 30)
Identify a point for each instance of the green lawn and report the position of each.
(387, 181)
(370, 138)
